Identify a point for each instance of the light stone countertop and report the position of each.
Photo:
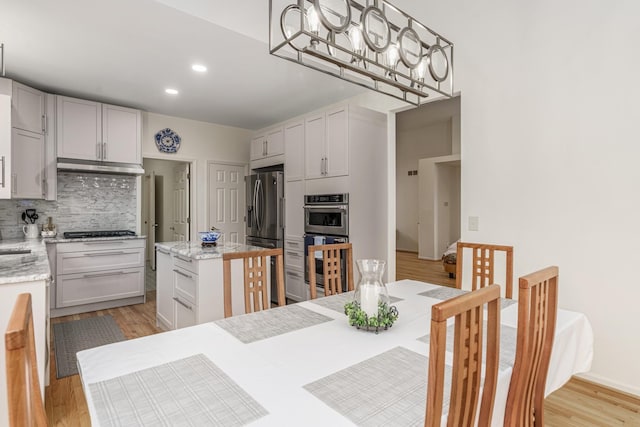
(24, 267)
(89, 239)
(195, 250)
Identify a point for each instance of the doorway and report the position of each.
(427, 184)
(166, 207)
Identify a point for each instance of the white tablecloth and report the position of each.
(273, 371)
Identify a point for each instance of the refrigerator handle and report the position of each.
(260, 211)
(282, 215)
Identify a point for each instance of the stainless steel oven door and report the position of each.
(331, 220)
(312, 239)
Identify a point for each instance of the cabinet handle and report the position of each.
(291, 243)
(292, 253)
(326, 166)
(98, 150)
(44, 124)
(44, 188)
(183, 274)
(188, 307)
(111, 273)
(14, 183)
(162, 251)
(184, 259)
(291, 273)
(104, 151)
(3, 170)
(106, 253)
(107, 242)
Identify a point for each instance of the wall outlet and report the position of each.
(473, 223)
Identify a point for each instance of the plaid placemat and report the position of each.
(272, 322)
(508, 336)
(186, 392)
(444, 293)
(337, 302)
(385, 390)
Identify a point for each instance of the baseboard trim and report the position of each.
(409, 251)
(596, 381)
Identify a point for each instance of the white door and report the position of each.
(152, 225)
(226, 200)
(180, 226)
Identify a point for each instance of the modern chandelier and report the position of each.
(374, 45)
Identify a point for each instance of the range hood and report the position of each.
(99, 167)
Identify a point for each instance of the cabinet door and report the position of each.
(121, 134)
(5, 139)
(258, 147)
(28, 164)
(294, 211)
(294, 151)
(337, 143)
(78, 289)
(165, 305)
(295, 285)
(275, 143)
(27, 108)
(79, 129)
(314, 132)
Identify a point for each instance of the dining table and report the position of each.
(301, 364)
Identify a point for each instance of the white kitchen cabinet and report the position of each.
(27, 109)
(165, 305)
(88, 130)
(97, 274)
(295, 285)
(5, 138)
(267, 144)
(28, 155)
(294, 209)
(294, 269)
(294, 151)
(326, 148)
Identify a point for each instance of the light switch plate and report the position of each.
(473, 223)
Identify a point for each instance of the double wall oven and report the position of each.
(326, 221)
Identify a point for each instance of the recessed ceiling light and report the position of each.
(199, 68)
(171, 91)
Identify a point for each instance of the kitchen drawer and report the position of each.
(86, 262)
(101, 245)
(294, 258)
(185, 313)
(78, 289)
(186, 263)
(185, 284)
(294, 284)
(294, 244)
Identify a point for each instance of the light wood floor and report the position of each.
(578, 403)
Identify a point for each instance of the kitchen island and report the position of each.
(189, 283)
(24, 268)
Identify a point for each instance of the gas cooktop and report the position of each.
(97, 233)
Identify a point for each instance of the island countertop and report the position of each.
(195, 250)
(26, 267)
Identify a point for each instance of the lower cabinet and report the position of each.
(98, 274)
(294, 270)
(165, 306)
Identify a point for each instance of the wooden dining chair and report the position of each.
(483, 265)
(26, 408)
(468, 310)
(256, 281)
(331, 268)
(537, 312)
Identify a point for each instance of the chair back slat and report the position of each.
(537, 312)
(26, 408)
(468, 354)
(483, 265)
(331, 267)
(256, 282)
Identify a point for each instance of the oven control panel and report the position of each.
(325, 199)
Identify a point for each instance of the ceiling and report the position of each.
(127, 52)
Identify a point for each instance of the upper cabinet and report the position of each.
(24, 136)
(88, 130)
(267, 144)
(326, 149)
(294, 151)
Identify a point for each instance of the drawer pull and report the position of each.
(293, 253)
(188, 307)
(184, 259)
(111, 273)
(290, 243)
(183, 274)
(289, 273)
(162, 251)
(105, 242)
(106, 253)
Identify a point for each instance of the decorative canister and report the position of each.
(371, 307)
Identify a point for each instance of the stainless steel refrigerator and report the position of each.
(265, 215)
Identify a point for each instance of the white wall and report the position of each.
(201, 142)
(550, 150)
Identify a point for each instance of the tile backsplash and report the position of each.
(86, 201)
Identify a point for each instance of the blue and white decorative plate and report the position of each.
(167, 141)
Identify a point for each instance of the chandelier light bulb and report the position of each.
(393, 56)
(421, 70)
(357, 40)
(313, 19)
